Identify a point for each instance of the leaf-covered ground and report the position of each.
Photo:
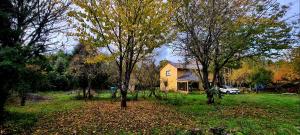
(248, 114)
(104, 117)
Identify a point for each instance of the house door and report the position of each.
(182, 86)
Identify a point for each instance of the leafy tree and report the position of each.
(8, 57)
(162, 63)
(283, 72)
(217, 32)
(129, 30)
(261, 76)
(61, 63)
(296, 59)
(147, 75)
(241, 75)
(58, 77)
(82, 69)
(26, 29)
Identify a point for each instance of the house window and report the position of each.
(168, 73)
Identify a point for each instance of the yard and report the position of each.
(178, 114)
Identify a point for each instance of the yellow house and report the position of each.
(179, 77)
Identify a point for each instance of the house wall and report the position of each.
(171, 80)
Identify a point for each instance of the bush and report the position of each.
(58, 81)
(261, 77)
(217, 94)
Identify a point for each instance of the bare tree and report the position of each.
(37, 22)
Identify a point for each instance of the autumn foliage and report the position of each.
(283, 71)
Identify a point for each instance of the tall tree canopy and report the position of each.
(218, 32)
(26, 28)
(128, 29)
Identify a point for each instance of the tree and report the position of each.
(242, 74)
(82, 69)
(7, 68)
(217, 32)
(163, 63)
(296, 59)
(261, 76)
(26, 29)
(283, 72)
(147, 75)
(58, 77)
(129, 30)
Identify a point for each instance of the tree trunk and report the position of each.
(206, 84)
(84, 93)
(123, 98)
(89, 89)
(23, 99)
(124, 89)
(210, 98)
(3, 98)
(215, 78)
(114, 94)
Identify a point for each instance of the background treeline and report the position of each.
(60, 71)
(282, 75)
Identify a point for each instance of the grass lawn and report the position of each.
(238, 114)
(244, 113)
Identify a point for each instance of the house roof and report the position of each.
(184, 66)
(188, 76)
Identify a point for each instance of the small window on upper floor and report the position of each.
(168, 73)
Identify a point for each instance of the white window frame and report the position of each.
(168, 73)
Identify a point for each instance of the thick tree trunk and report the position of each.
(206, 84)
(124, 90)
(123, 99)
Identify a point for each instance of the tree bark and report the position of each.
(23, 99)
(84, 93)
(123, 98)
(206, 84)
(3, 98)
(205, 80)
(124, 89)
(89, 96)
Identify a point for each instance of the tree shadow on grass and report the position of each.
(18, 123)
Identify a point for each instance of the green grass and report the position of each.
(244, 113)
(238, 114)
(22, 118)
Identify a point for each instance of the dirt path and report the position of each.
(103, 117)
